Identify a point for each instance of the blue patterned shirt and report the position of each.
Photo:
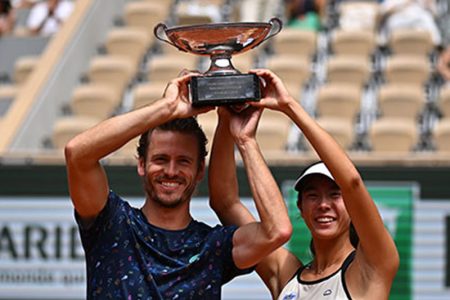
(128, 258)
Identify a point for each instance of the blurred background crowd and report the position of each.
(374, 73)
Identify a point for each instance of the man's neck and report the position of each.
(170, 218)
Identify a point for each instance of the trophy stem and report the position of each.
(221, 65)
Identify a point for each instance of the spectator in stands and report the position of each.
(358, 15)
(159, 251)
(305, 14)
(23, 3)
(331, 197)
(443, 65)
(417, 14)
(7, 17)
(46, 17)
(255, 10)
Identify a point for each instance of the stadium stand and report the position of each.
(146, 93)
(348, 69)
(7, 95)
(353, 42)
(440, 132)
(145, 14)
(273, 132)
(444, 101)
(401, 101)
(340, 71)
(128, 150)
(272, 135)
(208, 123)
(392, 134)
(129, 42)
(186, 18)
(339, 100)
(163, 68)
(441, 135)
(94, 100)
(114, 71)
(410, 41)
(409, 69)
(245, 61)
(295, 42)
(67, 127)
(198, 12)
(14, 47)
(341, 129)
(294, 71)
(23, 67)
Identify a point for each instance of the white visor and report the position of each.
(316, 168)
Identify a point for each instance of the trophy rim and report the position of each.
(206, 39)
(173, 34)
(217, 25)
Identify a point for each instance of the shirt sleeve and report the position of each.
(92, 233)
(230, 270)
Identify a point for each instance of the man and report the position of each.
(46, 17)
(159, 251)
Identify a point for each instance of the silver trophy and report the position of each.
(222, 83)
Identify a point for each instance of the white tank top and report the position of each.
(332, 287)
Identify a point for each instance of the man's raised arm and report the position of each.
(88, 184)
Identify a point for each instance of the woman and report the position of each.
(332, 196)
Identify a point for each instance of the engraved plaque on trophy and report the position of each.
(222, 83)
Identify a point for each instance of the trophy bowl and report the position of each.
(221, 83)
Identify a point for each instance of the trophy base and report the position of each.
(224, 89)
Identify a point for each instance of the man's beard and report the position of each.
(153, 196)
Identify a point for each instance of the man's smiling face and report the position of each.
(171, 171)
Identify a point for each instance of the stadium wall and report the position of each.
(38, 236)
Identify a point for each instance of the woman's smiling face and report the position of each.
(323, 208)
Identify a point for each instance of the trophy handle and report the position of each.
(276, 26)
(161, 27)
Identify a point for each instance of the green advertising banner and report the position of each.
(396, 207)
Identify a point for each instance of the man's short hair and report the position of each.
(185, 126)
